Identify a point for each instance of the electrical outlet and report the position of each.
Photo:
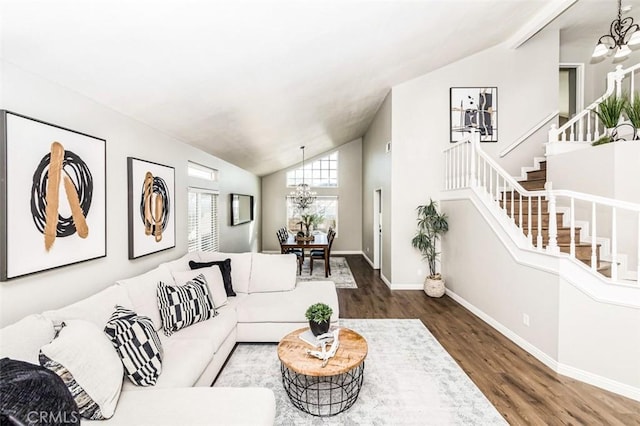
(367, 249)
(525, 319)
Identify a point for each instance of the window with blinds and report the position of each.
(203, 220)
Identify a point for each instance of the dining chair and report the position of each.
(319, 253)
(283, 235)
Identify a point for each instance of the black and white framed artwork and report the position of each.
(474, 108)
(52, 196)
(151, 207)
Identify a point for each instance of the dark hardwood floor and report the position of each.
(524, 390)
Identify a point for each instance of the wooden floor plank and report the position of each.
(523, 390)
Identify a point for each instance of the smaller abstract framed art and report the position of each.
(151, 207)
(52, 196)
(474, 108)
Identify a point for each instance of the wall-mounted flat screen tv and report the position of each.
(241, 209)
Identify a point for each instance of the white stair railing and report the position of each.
(468, 166)
(586, 126)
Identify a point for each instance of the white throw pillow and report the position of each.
(142, 292)
(22, 340)
(96, 308)
(214, 280)
(273, 272)
(240, 267)
(87, 363)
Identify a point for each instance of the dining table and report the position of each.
(319, 242)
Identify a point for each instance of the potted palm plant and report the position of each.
(431, 225)
(609, 112)
(632, 108)
(319, 316)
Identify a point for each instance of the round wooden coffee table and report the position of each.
(317, 390)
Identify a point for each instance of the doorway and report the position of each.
(571, 91)
(377, 229)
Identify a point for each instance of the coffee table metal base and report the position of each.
(323, 395)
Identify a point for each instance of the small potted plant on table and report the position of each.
(319, 316)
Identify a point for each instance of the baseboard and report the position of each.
(385, 280)
(566, 370)
(599, 381)
(368, 260)
(343, 252)
(537, 353)
(407, 286)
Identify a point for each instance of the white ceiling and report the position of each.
(251, 81)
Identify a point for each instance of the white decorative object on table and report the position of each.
(324, 355)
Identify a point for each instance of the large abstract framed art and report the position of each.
(151, 207)
(52, 196)
(474, 108)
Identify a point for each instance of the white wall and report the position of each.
(34, 96)
(578, 325)
(376, 175)
(527, 81)
(480, 269)
(600, 339)
(349, 192)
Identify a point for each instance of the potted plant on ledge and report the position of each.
(319, 316)
(431, 224)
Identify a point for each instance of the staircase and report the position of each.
(535, 181)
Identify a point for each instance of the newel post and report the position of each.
(618, 76)
(553, 134)
(552, 245)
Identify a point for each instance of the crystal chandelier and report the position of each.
(622, 34)
(302, 197)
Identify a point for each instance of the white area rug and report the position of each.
(340, 272)
(409, 379)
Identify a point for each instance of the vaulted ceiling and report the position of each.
(251, 81)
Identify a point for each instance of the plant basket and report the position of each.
(434, 287)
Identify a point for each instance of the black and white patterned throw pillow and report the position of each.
(138, 345)
(182, 306)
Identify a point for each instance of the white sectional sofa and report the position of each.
(268, 304)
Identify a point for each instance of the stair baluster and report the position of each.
(529, 233)
(614, 245)
(572, 227)
(552, 245)
(539, 242)
(594, 257)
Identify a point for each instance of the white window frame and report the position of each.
(317, 171)
(201, 172)
(198, 245)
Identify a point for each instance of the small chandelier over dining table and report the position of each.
(303, 196)
(622, 34)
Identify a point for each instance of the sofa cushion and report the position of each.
(216, 329)
(240, 267)
(85, 361)
(27, 389)
(96, 308)
(22, 340)
(288, 306)
(142, 289)
(213, 277)
(183, 362)
(273, 272)
(181, 306)
(225, 270)
(201, 406)
(138, 345)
